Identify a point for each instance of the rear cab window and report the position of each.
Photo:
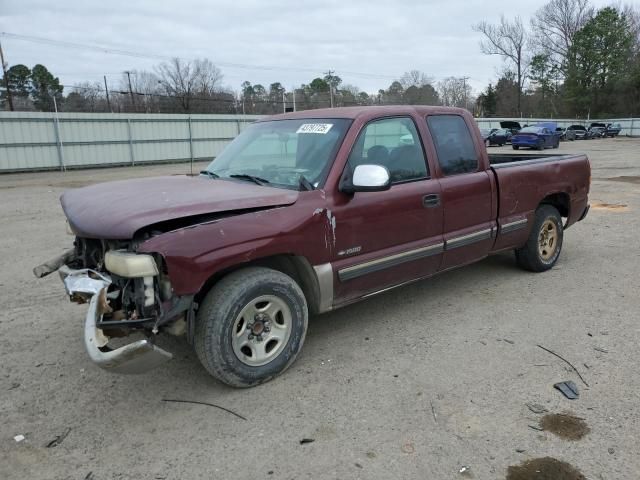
(454, 144)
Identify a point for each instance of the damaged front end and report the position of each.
(128, 294)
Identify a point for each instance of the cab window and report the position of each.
(393, 143)
(454, 144)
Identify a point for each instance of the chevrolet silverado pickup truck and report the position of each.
(301, 214)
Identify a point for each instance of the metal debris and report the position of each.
(304, 441)
(569, 389)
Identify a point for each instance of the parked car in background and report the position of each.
(613, 130)
(565, 133)
(496, 136)
(513, 127)
(597, 132)
(536, 136)
(580, 132)
(501, 135)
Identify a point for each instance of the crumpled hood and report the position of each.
(116, 210)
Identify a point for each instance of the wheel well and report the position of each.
(297, 267)
(558, 200)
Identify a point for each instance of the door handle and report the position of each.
(431, 200)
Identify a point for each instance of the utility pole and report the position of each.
(106, 90)
(6, 80)
(133, 100)
(464, 90)
(293, 92)
(330, 75)
(284, 102)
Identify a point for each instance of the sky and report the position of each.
(368, 43)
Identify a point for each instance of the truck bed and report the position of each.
(524, 180)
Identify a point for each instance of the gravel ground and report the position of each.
(415, 383)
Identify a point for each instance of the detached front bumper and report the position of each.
(137, 357)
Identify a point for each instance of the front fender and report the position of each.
(195, 254)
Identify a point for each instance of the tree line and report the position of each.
(572, 60)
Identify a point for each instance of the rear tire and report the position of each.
(544, 244)
(251, 326)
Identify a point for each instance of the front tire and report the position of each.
(251, 326)
(515, 147)
(544, 244)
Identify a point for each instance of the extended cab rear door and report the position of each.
(467, 190)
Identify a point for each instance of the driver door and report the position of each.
(387, 238)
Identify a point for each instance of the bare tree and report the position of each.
(145, 86)
(454, 92)
(554, 26)
(508, 40)
(632, 12)
(415, 78)
(186, 80)
(86, 97)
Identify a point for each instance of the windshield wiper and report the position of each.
(252, 178)
(305, 184)
(209, 174)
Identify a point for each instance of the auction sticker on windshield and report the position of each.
(315, 128)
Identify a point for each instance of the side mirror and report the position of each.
(367, 178)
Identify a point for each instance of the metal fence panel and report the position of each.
(40, 141)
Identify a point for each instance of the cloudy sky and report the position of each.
(367, 42)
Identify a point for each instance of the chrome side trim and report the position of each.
(378, 264)
(464, 240)
(513, 226)
(324, 274)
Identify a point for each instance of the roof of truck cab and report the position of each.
(366, 112)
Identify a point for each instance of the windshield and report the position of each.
(282, 153)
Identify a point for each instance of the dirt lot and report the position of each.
(416, 383)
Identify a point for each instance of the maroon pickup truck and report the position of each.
(301, 214)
